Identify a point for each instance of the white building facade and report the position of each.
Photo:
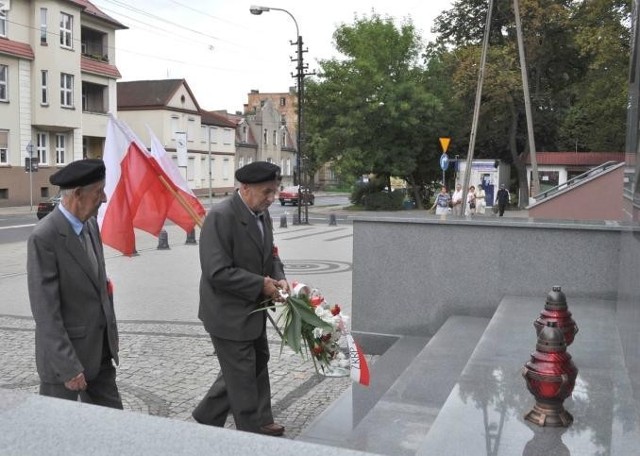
(57, 84)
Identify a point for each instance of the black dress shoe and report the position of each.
(272, 429)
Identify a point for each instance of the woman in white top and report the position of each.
(481, 203)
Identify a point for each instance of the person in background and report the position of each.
(241, 271)
(442, 202)
(502, 199)
(481, 202)
(456, 200)
(76, 332)
(470, 208)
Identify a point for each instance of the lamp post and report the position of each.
(300, 74)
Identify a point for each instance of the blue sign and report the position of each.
(444, 162)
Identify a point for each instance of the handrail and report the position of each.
(590, 172)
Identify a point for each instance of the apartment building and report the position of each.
(201, 143)
(286, 104)
(263, 134)
(57, 84)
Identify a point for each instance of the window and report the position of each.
(241, 162)
(288, 169)
(284, 138)
(4, 83)
(203, 133)
(191, 129)
(275, 138)
(59, 149)
(41, 148)
(94, 97)
(43, 26)
(174, 124)
(4, 147)
(228, 136)
(225, 169)
(245, 135)
(3, 23)
(214, 135)
(66, 90)
(66, 30)
(265, 137)
(191, 164)
(283, 101)
(44, 87)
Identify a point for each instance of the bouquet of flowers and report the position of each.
(312, 327)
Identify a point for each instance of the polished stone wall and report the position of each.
(628, 306)
(428, 269)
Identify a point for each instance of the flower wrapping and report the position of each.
(312, 327)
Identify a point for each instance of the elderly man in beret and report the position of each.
(76, 332)
(240, 271)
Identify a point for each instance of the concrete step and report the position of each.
(395, 415)
(335, 424)
(484, 412)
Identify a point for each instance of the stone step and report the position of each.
(484, 412)
(333, 426)
(395, 413)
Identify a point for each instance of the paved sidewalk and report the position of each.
(167, 360)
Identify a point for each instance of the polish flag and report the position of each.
(186, 208)
(358, 363)
(136, 196)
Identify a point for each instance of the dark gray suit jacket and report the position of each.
(234, 260)
(70, 304)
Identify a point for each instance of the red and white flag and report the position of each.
(358, 363)
(186, 206)
(136, 196)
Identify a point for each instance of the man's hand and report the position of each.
(77, 383)
(271, 288)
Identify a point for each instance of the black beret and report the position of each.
(79, 173)
(257, 172)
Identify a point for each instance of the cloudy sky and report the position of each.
(223, 51)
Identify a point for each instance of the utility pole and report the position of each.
(535, 181)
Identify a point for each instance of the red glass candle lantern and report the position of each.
(556, 310)
(550, 376)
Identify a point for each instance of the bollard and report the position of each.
(332, 220)
(163, 240)
(191, 237)
(283, 221)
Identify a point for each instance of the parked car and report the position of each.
(45, 207)
(290, 195)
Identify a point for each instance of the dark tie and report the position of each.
(260, 221)
(88, 247)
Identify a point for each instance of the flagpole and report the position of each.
(196, 218)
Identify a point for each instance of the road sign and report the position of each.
(444, 143)
(444, 162)
(31, 164)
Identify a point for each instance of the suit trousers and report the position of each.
(101, 390)
(242, 386)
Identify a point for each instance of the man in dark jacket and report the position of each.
(502, 198)
(76, 332)
(240, 271)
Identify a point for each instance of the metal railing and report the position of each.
(590, 173)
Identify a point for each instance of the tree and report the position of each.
(371, 112)
(562, 40)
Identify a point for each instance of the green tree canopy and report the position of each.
(370, 112)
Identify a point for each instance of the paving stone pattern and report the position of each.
(165, 369)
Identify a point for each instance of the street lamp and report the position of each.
(258, 10)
